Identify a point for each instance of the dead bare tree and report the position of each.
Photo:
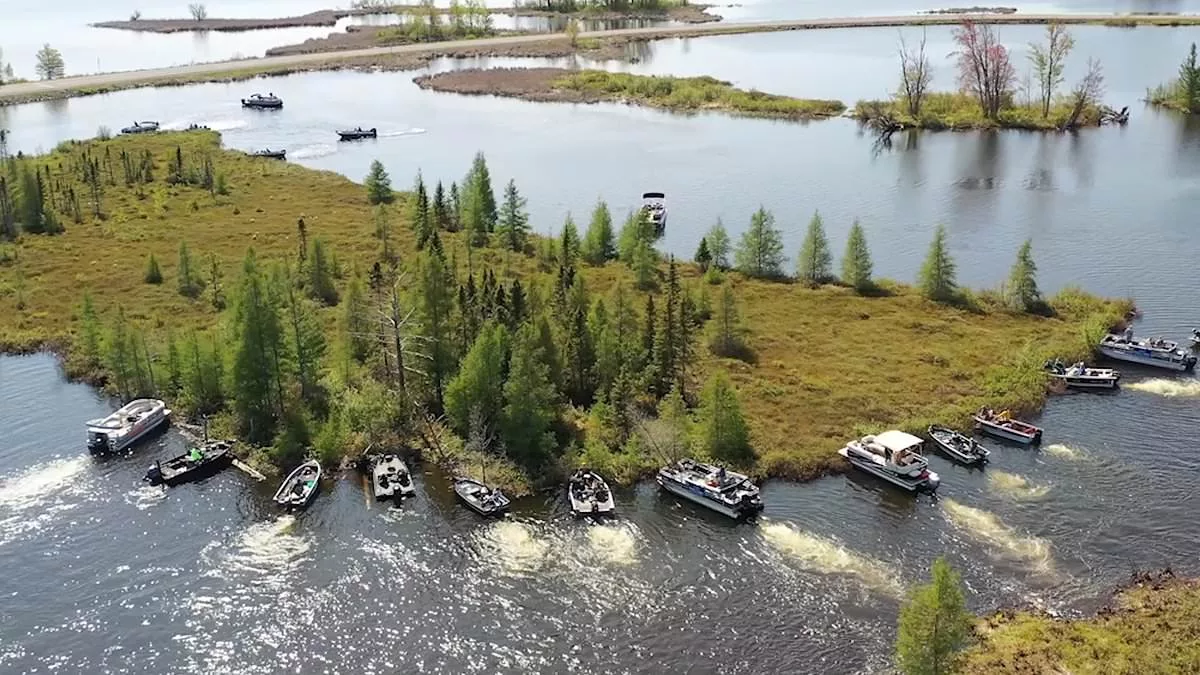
(433, 437)
(1086, 94)
(984, 66)
(915, 75)
(1048, 61)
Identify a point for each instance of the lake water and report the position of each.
(103, 574)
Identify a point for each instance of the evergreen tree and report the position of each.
(478, 386)
(455, 208)
(356, 321)
(528, 401)
(478, 203)
(153, 274)
(513, 226)
(441, 208)
(8, 209)
(517, 305)
(723, 434)
(577, 350)
(436, 305)
(568, 247)
(934, 624)
(174, 380)
(202, 376)
(216, 294)
(1023, 291)
(856, 263)
(421, 221)
(187, 280)
(814, 264)
(320, 274)
(634, 233)
(608, 351)
(760, 251)
(89, 332)
(305, 343)
(379, 185)
(550, 351)
(257, 343)
(649, 323)
(703, 256)
(727, 330)
(1189, 81)
(119, 357)
(937, 273)
(666, 339)
(599, 245)
(718, 245)
(645, 262)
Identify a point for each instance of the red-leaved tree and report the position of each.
(984, 67)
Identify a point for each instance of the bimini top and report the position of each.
(897, 440)
(653, 195)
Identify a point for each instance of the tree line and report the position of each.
(568, 6)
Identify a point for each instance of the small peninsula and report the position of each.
(678, 94)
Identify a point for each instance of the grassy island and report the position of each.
(679, 94)
(306, 313)
(1151, 628)
(1181, 94)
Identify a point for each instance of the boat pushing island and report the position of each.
(260, 102)
(1002, 425)
(1080, 376)
(126, 426)
(726, 492)
(197, 463)
(141, 128)
(958, 446)
(654, 209)
(300, 487)
(356, 134)
(589, 494)
(894, 456)
(1154, 352)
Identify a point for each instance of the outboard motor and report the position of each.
(154, 475)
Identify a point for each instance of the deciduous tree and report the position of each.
(529, 398)
(760, 251)
(937, 278)
(479, 384)
(599, 244)
(718, 245)
(1049, 59)
(814, 264)
(187, 279)
(379, 185)
(50, 64)
(856, 263)
(726, 337)
(1023, 293)
(984, 66)
(934, 624)
(153, 274)
(915, 75)
(722, 429)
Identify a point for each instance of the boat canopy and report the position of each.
(897, 440)
(654, 195)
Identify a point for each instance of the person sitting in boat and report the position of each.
(1004, 416)
(195, 455)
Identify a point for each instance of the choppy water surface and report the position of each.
(102, 573)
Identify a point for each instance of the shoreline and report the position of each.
(382, 57)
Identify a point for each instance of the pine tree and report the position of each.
(356, 321)
(937, 273)
(529, 398)
(420, 219)
(814, 264)
(89, 332)
(305, 342)
(379, 185)
(436, 305)
(478, 203)
(934, 624)
(723, 434)
(513, 227)
(153, 274)
(703, 256)
(599, 245)
(1023, 291)
(187, 280)
(726, 339)
(718, 245)
(119, 357)
(441, 209)
(666, 339)
(568, 243)
(1189, 82)
(856, 263)
(320, 274)
(256, 378)
(760, 251)
(478, 386)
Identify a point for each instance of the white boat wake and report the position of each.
(312, 151)
(1067, 452)
(826, 556)
(32, 499)
(1165, 387)
(1015, 486)
(414, 131)
(1001, 537)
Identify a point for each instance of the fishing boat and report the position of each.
(589, 494)
(390, 477)
(301, 485)
(140, 128)
(127, 425)
(711, 486)
(198, 462)
(1195, 338)
(654, 208)
(894, 456)
(356, 134)
(270, 154)
(1155, 352)
(268, 102)
(1080, 376)
(958, 446)
(483, 499)
(1002, 425)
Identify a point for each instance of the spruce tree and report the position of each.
(634, 233)
(420, 219)
(722, 429)
(478, 386)
(320, 274)
(455, 204)
(568, 249)
(934, 624)
(814, 264)
(856, 263)
(937, 273)
(356, 321)
(174, 376)
(436, 306)
(666, 340)
(599, 244)
(1189, 81)
(760, 251)
(645, 262)
(441, 208)
(257, 345)
(529, 398)
(703, 256)
(649, 329)
(89, 332)
(153, 274)
(727, 339)
(187, 279)
(513, 226)
(379, 185)
(718, 245)
(305, 343)
(119, 357)
(478, 203)
(216, 294)
(1023, 293)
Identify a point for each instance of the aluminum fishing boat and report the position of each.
(390, 478)
(356, 134)
(714, 487)
(1154, 352)
(958, 446)
(1002, 425)
(270, 154)
(482, 499)
(197, 463)
(894, 456)
(140, 128)
(268, 102)
(301, 486)
(589, 494)
(1080, 376)
(127, 425)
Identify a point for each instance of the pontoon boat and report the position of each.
(1155, 352)
(894, 456)
(126, 426)
(714, 487)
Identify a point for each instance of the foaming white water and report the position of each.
(32, 499)
(514, 546)
(145, 496)
(1066, 452)
(1165, 387)
(226, 125)
(826, 556)
(414, 131)
(313, 151)
(1015, 486)
(614, 543)
(989, 529)
(268, 551)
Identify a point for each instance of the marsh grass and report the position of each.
(956, 111)
(828, 362)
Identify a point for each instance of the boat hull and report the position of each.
(680, 490)
(149, 427)
(1008, 434)
(953, 453)
(1184, 365)
(604, 508)
(903, 482)
(460, 488)
(206, 470)
(1088, 382)
(286, 496)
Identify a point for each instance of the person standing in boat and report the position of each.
(195, 455)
